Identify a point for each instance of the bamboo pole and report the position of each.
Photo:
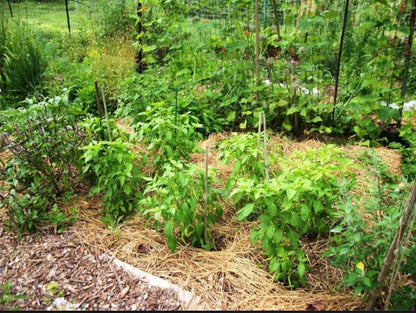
(206, 197)
(106, 114)
(394, 248)
(266, 163)
(294, 97)
(259, 131)
(97, 100)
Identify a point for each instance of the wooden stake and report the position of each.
(97, 99)
(206, 197)
(259, 132)
(394, 248)
(295, 99)
(266, 163)
(106, 114)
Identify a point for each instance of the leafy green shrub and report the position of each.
(247, 154)
(296, 204)
(117, 176)
(168, 136)
(364, 232)
(45, 141)
(175, 201)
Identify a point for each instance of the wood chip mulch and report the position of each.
(54, 272)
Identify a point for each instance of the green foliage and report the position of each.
(118, 176)
(45, 141)
(175, 201)
(168, 136)
(361, 237)
(114, 17)
(22, 63)
(7, 295)
(248, 165)
(296, 204)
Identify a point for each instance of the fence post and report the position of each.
(10, 8)
(67, 16)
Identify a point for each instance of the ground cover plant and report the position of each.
(180, 73)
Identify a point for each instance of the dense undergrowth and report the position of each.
(197, 76)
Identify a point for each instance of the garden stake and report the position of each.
(266, 165)
(258, 132)
(106, 114)
(393, 250)
(206, 196)
(295, 99)
(97, 99)
(341, 42)
(397, 265)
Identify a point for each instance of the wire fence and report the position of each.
(47, 13)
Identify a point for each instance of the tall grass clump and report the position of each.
(22, 63)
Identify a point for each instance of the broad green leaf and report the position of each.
(245, 211)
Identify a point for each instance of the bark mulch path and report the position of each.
(55, 272)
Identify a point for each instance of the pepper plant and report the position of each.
(296, 204)
(174, 201)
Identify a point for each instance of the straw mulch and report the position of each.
(234, 276)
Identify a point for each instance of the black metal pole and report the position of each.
(67, 16)
(341, 43)
(10, 8)
(139, 55)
